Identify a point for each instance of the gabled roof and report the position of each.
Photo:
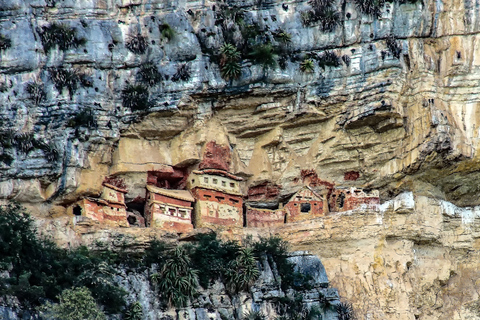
(309, 189)
(176, 194)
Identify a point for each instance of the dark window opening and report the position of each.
(77, 210)
(220, 198)
(341, 200)
(305, 207)
(233, 200)
(132, 220)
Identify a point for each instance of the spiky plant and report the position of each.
(393, 46)
(149, 74)
(61, 35)
(177, 281)
(5, 42)
(324, 12)
(254, 315)
(35, 91)
(182, 73)
(66, 78)
(264, 55)
(135, 97)
(84, 118)
(137, 44)
(307, 66)
(370, 7)
(229, 62)
(345, 311)
(283, 37)
(328, 59)
(166, 31)
(134, 312)
(242, 271)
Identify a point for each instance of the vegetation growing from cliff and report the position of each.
(264, 55)
(66, 78)
(5, 42)
(183, 72)
(324, 13)
(166, 31)
(177, 281)
(149, 74)
(37, 269)
(35, 91)
(75, 304)
(295, 309)
(137, 44)
(229, 62)
(61, 35)
(135, 97)
(393, 46)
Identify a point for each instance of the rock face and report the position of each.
(390, 104)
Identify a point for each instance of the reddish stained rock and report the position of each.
(216, 157)
(311, 179)
(265, 191)
(351, 175)
(168, 178)
(116, 182)
(352, 198)
(257, 217)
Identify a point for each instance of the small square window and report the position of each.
(224, 184)
(305, 207)
(215, 181)
(232, 185)
(205, 180)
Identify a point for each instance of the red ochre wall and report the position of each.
(208, 208)
(264, 218)
(168, 200)
(101, 212)
(293, 210)
(351, 202)
(182, 225)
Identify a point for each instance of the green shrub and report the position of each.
(66, 78)
(183, 72)
(135, 97)
(36, 92)
(263, 54)
(134, 312)
(307, 66)
(370, 7)
(166, 31)
(75, 304)
(242, 272)
(39, 270)
(296, 309)
(229, 62)
(149, 74)
(61, 35)
(137, 44)
(5, 42)
(177, 281)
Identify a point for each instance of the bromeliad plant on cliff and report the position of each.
(61, 35)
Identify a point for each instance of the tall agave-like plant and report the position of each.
(177, 280)
(229, 62)
(242, 272)
(307, 65)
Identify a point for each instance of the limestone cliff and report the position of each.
(395, 111)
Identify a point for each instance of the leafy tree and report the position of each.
(75, 304)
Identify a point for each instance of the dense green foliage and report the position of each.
(241, 272)
(149, 74)
(295, 309)
(66, 78)
(75, 304)
(264, 55)
(307, 66)
(39, 270)
(134, 312)
(324, 13)
(84, 118)
(166, 31)
(35, 91)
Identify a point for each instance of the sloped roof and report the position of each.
(177, 194)
(309, 189)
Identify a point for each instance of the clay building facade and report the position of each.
(110, 208)
(169, 210)
(264, 218)
(345, 199)
(306, 204)
(219, 200)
